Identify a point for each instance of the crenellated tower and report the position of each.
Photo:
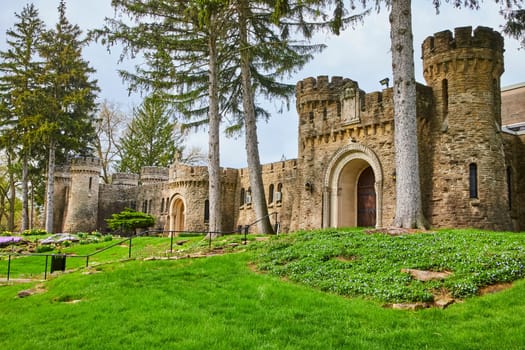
(82, 200)
(469, 170)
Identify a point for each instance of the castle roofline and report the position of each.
(513, 87)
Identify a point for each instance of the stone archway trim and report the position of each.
(338, 161)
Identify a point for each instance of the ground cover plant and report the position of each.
(219, 302)
(356, 263)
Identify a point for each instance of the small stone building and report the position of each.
(471, 150)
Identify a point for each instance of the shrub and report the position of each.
(34, 232)
(44, 248)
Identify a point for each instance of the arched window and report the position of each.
(270, 194)
(473, 180)
(149, 206)
(242, 196)
(206, 210)
(162, 205)
(248, 196)
(279, 194)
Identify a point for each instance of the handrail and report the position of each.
(247, 227)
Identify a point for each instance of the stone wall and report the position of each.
(279, 180)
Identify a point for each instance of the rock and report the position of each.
(181, 242)
(25, 293)
(424, 276)
(444, 302)
(408, 306)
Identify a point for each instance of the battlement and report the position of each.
(153, 174)
(125, 179)
(85, 164)
(442, 42)
(311, 89)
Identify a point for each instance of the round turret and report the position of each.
(151, 175)
(125, 180)
(82, 203)
(469, 176)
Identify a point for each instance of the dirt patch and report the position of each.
(39, 289)
(346, 258)
(495, 288)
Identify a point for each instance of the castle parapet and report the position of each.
(86, 165)
(151, 175)
(441, 42)
(125, 179)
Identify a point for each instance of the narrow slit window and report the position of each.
(90, 183)
(206, 211)
(242, 196)
(444, 91)
(473, 180)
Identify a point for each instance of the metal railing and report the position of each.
(60, 259)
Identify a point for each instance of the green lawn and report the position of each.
(221, 303)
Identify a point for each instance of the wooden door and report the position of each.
(366, 199)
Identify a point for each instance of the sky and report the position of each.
(361, 53)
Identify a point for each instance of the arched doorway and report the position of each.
(366, 199)
(177, 214)
(352, 193)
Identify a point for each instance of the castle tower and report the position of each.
(468, 165)
(82, 204)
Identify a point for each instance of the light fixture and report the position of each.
(384, 82)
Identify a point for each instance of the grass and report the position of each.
(221, 303)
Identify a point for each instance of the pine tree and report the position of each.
(67, 100)
(151, 138)
(183, 44)
(20, 70)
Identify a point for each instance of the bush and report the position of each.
(35, 232)
(44, 248)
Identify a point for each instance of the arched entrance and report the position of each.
(366, 199)
(353, 188)
(177, 214)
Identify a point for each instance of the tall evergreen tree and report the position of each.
(67, 99)
(182, 43)
(19, 73)
(151, 138)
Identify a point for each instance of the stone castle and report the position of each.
(472, 157)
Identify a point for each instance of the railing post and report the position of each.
(171, 242)
(129, 253)
(8, 267)
(246, 229)
(45, 271)
(87, 260)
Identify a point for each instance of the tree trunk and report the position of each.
(12, 193)
(250, 125)
(214, 179)
(50, 191)
(25, 192)
(408, 193)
